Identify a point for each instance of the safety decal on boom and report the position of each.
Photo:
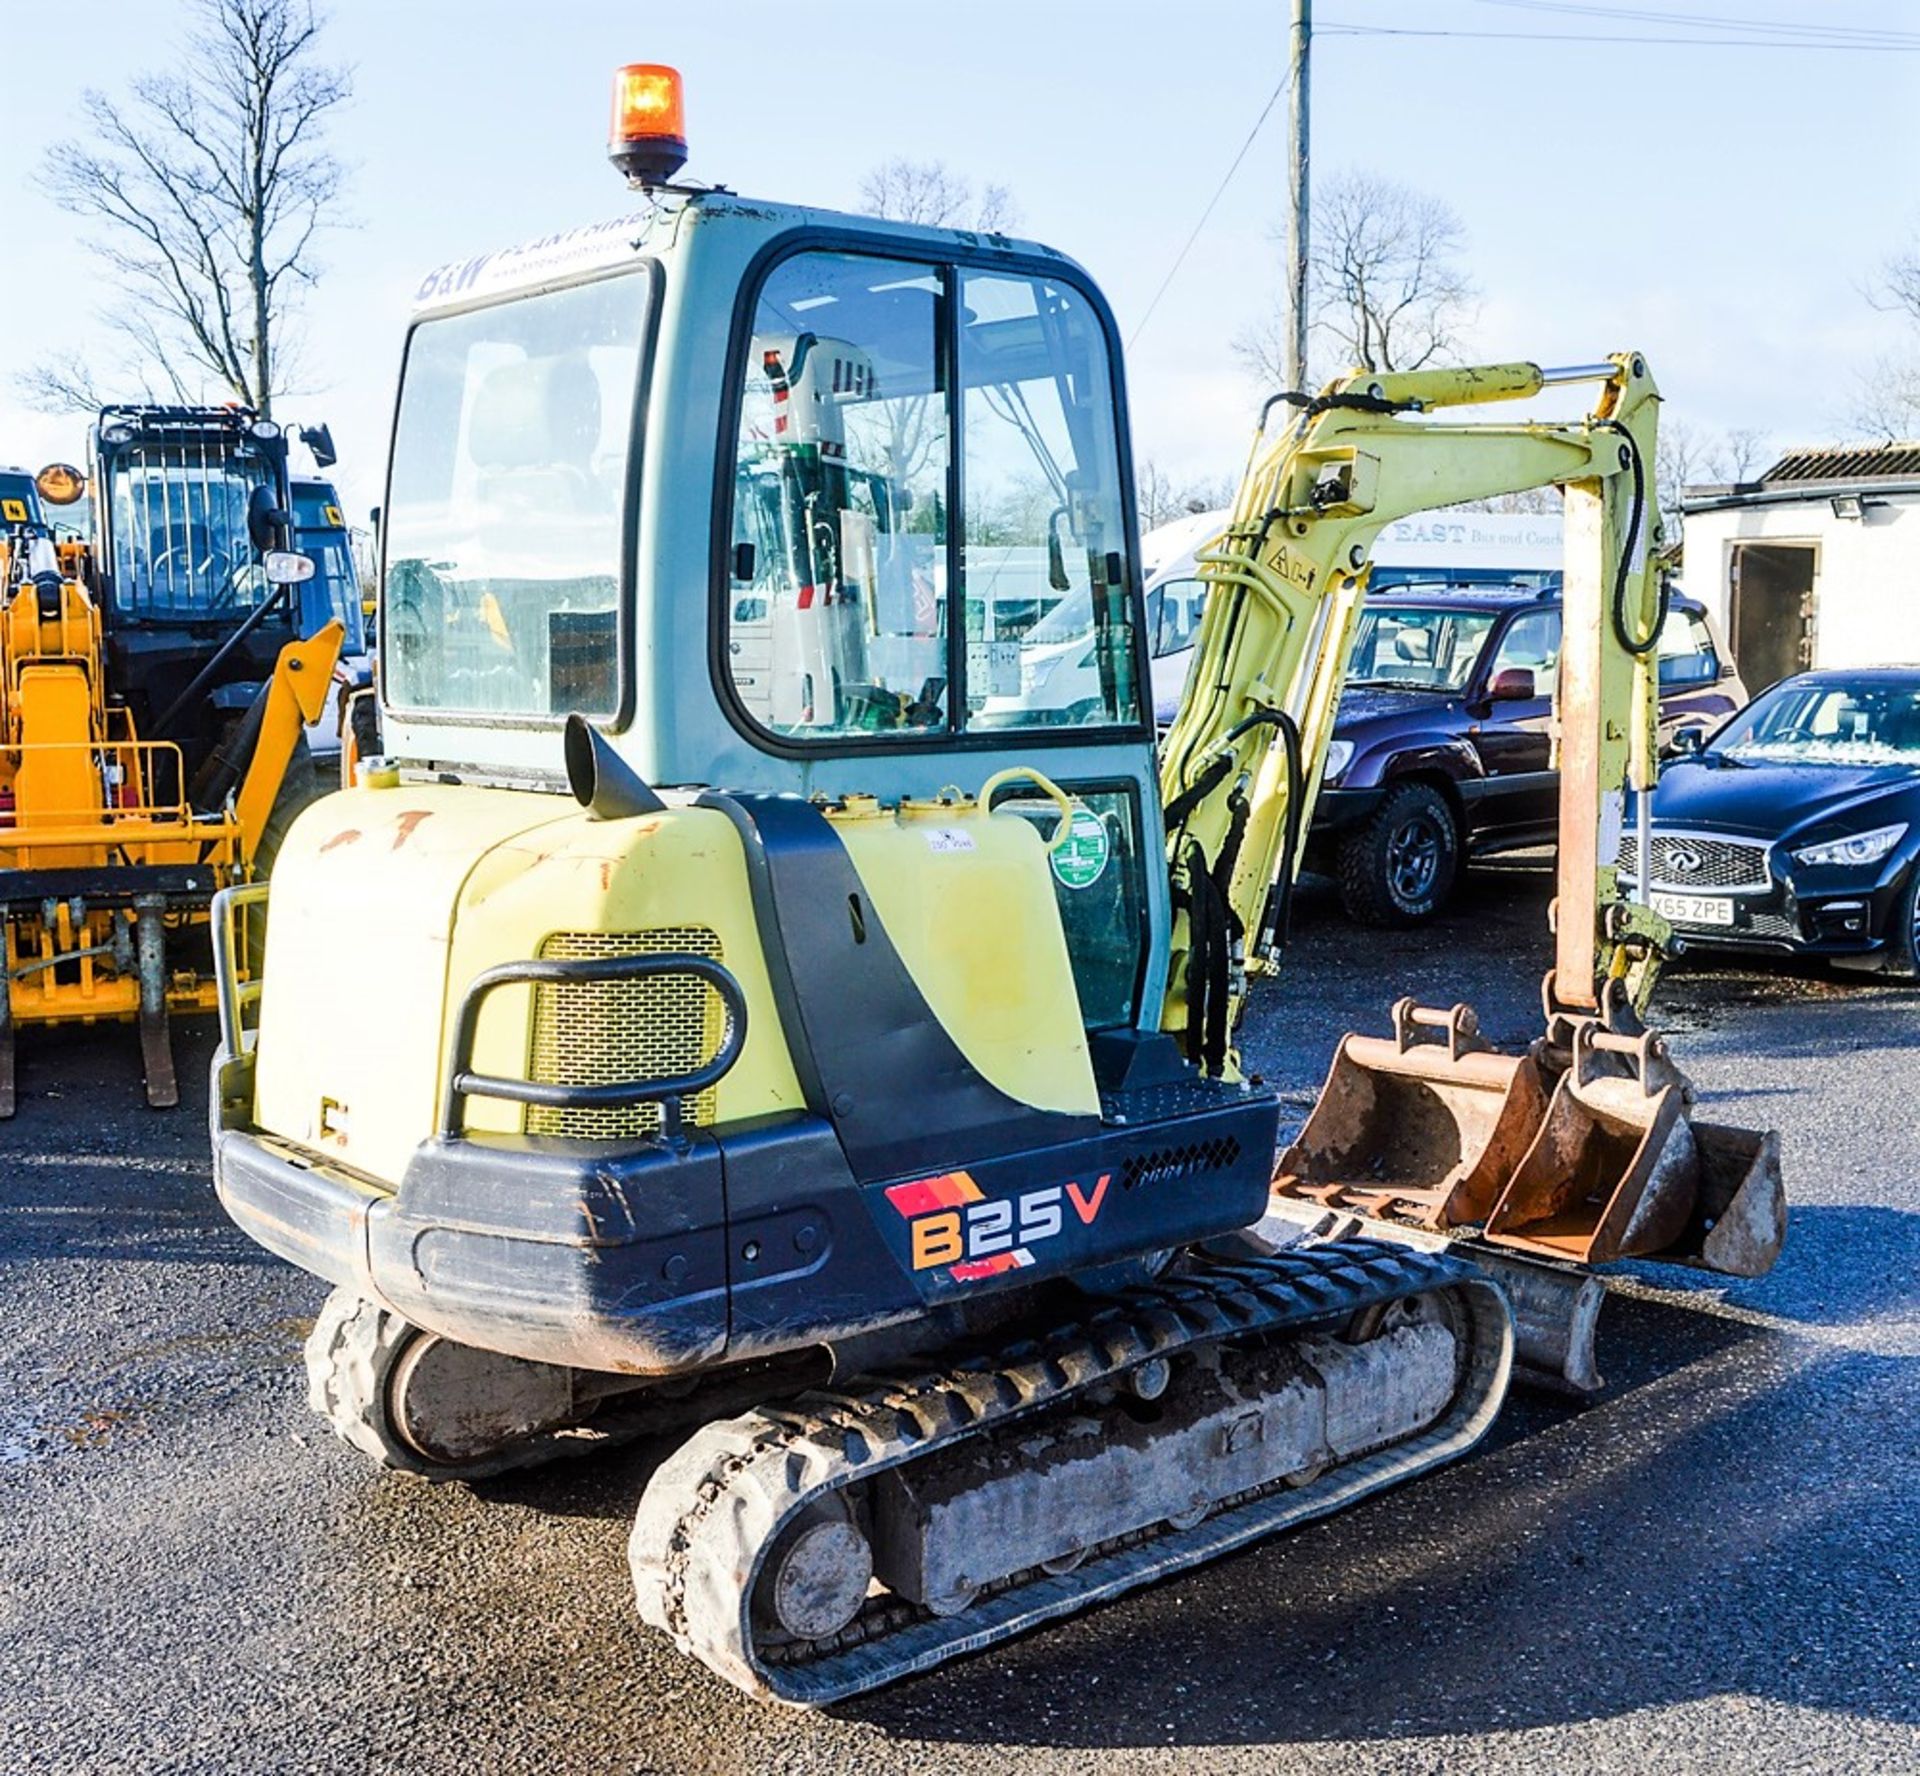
(952, 1222)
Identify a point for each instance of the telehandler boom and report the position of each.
(768, 1082)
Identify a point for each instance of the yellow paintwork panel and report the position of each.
(968, 900)
(387, 902)
(57, 784)
(363, 900)
(682, 868)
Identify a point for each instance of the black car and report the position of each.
(1796, 827)
(1441, 749)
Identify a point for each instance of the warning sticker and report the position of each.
(1082, 859)
(14, 511)
(947, 838)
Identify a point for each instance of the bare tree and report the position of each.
(1163, 499)
(1529, 501)
(1687, 457)
(1888, 402)
(923, 191)
(1384, 280)
(207, 189)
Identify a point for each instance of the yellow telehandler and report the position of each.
(153, 693)
(800, 1026)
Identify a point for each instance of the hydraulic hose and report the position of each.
(1638, 646)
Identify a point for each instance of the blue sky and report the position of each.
(1720, 208)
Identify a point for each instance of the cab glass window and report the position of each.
(859, 602)
(838, 602)
(506, 505)
(181, 547)
(1045, 524)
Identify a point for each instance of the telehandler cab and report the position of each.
(893, 1132)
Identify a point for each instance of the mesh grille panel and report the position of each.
(595, 1032)
(1685, 863)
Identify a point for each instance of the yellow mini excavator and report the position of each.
(804, 1031)
(142, 768)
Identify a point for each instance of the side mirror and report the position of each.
(1512, 684)
(284, 568)
(319, 439)
(1686, 741)
(268, 527)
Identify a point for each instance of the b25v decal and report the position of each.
(952, 1222)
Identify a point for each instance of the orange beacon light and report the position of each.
(648, 141)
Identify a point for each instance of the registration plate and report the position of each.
(1693, 909)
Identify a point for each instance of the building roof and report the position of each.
(1817, 473)
(1892, 461)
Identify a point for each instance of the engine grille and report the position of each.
(595, 1032)
(1687, 864)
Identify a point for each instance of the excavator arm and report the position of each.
(1583, 1149)
(1242, 763)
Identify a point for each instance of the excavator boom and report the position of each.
(1241, 764)
(1582, 1149)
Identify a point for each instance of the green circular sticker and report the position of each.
(1082, 859)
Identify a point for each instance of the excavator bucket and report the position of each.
(1619, 1170)
(1425, 1126)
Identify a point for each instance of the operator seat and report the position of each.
(532, 435)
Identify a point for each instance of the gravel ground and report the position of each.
(1714, 1567)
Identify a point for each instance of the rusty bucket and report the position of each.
(1425, 1126)
(1616, 1168)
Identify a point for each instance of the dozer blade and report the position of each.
(1417, 1129)
(1619, 1170)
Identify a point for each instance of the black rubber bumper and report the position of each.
(573, 1253)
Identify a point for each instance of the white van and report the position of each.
(1431, 549)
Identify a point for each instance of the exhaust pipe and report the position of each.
(601, 780)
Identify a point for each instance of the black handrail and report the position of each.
(463, 1082)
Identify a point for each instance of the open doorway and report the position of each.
(1771, 618)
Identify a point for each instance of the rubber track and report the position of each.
(716, 1506)
(350, 1357)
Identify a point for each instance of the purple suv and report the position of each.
(1440, 751)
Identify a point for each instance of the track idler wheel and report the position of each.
(426, 1405)
(816, 1579)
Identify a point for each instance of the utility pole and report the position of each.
(1300, 49)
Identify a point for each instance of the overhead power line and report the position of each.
(1868, 36)
(1331, 29)
(1180, 258)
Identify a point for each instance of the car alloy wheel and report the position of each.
(1413, 859)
